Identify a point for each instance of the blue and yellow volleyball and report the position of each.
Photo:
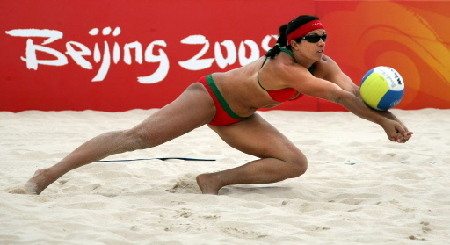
(382, 88)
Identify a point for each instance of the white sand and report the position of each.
(359, 188)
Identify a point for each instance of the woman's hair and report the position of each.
(284, 30)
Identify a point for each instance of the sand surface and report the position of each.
(359, 188)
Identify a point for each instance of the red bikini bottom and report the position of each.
(224, 115)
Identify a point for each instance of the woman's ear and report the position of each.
(294, 44)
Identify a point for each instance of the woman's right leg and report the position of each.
(193, 108)
(279, 157)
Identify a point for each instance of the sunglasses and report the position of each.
(314, 38)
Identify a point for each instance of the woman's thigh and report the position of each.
(192, 109)
(255, 136)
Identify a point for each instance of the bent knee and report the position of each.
(299, 164)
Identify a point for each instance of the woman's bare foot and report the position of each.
(40, 180)
(208, 184)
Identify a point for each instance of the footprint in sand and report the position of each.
(185, 184)
(17, 190)
(425, 229)
(425, 226)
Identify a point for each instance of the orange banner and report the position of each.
(412, 36)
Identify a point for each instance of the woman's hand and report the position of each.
(391, 116)
(396, 131)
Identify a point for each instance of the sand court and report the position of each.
(360, 188)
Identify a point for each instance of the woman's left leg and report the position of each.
(193, 108)
(279, 158)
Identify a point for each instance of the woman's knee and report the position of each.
(299, 163)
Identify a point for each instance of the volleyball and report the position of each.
(382, 88)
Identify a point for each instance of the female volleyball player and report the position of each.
(227, 102)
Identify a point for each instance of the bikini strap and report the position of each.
(282, 49)
(259, 83)
(264, 62)
(289, 52)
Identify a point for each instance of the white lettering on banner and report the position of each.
(195, 63)
(247, 52)
(77, 51)
(163, 69)
(77, 56)
(231, 51)
(254, 52)
(30, 51)
(265, 44)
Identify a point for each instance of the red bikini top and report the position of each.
(286, 94)
(283, 95)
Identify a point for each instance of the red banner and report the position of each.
(121, 55)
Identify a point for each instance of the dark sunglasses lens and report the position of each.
(315, 38)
